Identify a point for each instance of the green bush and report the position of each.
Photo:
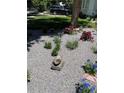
(48, 45)
(72, 44)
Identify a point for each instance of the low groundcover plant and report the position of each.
(90, 68)
(86, 86)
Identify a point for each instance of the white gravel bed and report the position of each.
(45, 80)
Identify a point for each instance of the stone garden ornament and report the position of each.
(57, 63)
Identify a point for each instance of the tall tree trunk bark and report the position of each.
(75, 12)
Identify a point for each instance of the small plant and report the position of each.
(86, 36)
(70, 29)
(55, 51)
(57, 40)
(72, 44)
(94, 49)
(90, 68)
(28, 76)
(86, 86)
(48, 45)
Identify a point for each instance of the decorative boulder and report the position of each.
(57, 63)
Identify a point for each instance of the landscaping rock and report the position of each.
(57, 63)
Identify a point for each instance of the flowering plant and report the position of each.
(86, 36)
(86, 86)
(70, 29)
(90, 68)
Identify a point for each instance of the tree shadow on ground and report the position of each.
(35, 36)
(56, 23)
(50, 26)
(36, 28)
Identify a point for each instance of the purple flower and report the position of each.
(82, 80)
(86, 85)
(94, 66)
(93, 89)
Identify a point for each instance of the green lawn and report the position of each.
(56, 22)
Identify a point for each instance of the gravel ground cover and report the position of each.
(45, 80)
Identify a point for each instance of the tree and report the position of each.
(75, 11)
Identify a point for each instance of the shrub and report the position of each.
(48, 45)
(90, 68)
(94, 49)
(86, 86)
(86, 36)
(72, 44)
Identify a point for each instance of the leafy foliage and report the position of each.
(56, 50)
(72, 44)
(57, 41)
(86, 86)
(45, 4)
(86, 36)
(48, 45)
(90, 68)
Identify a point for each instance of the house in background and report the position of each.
(89, 7)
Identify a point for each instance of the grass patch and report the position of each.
(46, 22)
(72, 44)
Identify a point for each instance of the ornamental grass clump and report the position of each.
(55, 51)
(57, 40)
(48, 45)
(90, 68)
(86, 86)
(72, 44)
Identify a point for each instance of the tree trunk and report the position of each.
(75, 12)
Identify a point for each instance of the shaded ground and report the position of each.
(49, 25)
(56, 22)
(45, 80)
